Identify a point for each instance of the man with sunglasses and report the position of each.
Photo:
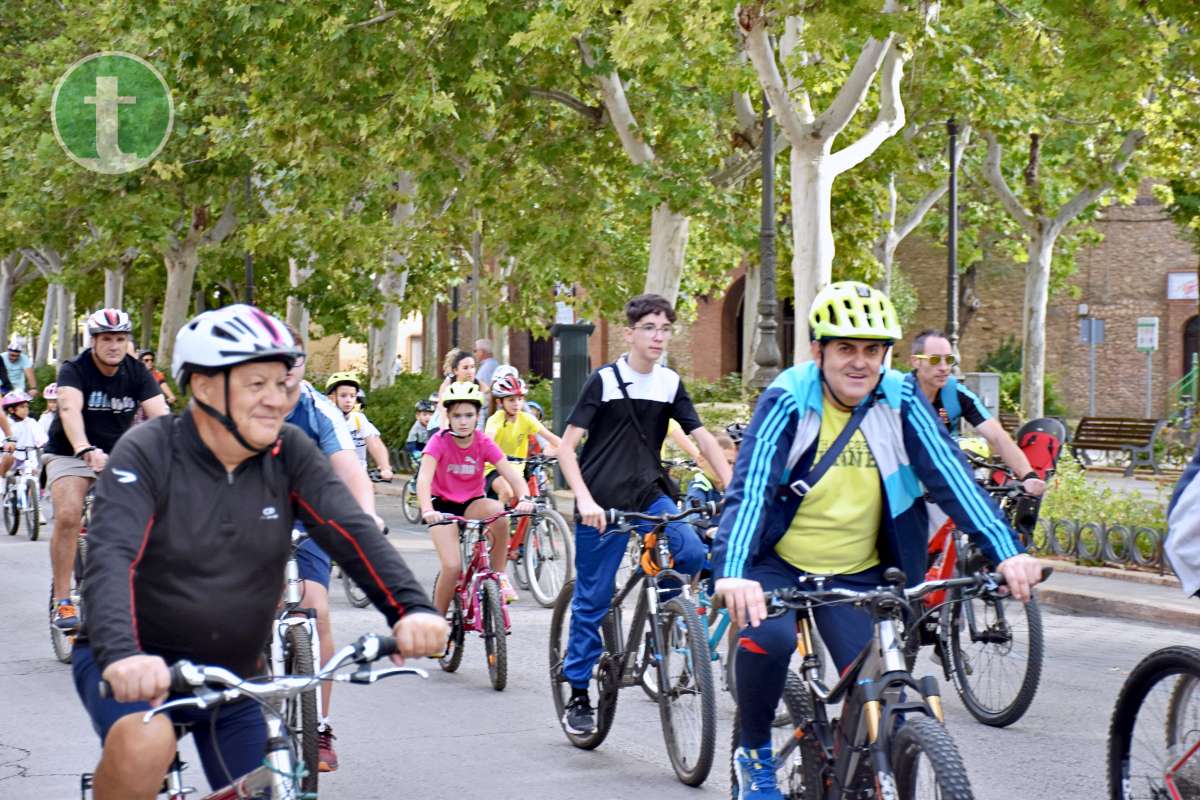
(933, 361)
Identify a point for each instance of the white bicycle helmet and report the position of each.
(109, 320)
(230, 336)
(503, 371)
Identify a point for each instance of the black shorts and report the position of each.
(453, 508)
(491, 478)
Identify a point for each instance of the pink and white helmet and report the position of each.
(50, 392)
(109, 320)
(14, 399)
(230, 336)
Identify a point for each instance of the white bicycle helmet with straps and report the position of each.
(109, 320)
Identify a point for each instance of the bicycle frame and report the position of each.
(476, 568)
(290, 614)
(536, 477)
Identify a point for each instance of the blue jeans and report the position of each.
(764, 652)
(596, 563)
(240, 733)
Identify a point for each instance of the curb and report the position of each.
(1114, 573)
(1096, 604)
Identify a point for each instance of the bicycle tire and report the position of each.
(924, 736)
(301, 712)
(495, 638)
(549, 557)
(408, 501)
(1177, 671)
(798, 778)
(688, 700)
(607, 679)
(647, 673)
(12, 511)
(973, 663)
(452, 658)
(32, 519)
(520, 575)
(354, 595)
(61, 642)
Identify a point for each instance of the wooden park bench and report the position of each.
(1010, 422)
(1118, 434)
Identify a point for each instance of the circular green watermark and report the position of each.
(112, 112)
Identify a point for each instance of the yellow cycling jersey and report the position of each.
(512, 437)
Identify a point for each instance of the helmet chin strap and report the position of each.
(226, 421)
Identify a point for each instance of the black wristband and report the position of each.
(85, 451)
(1030, 475)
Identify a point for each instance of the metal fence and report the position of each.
(1139, 546)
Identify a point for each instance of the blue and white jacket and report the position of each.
(912, 449)
(1183, 528)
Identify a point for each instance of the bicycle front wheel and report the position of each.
(606, 674)
(687, 699)
(549, 557)
(33, 519)
(996, 650)
(354, 595)
(408, 500)
(1154, 738)
(927, 763)
(452, 657)
(12, 511)
(495, 640)
(301, 712)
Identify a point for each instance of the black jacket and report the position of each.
(186, 560)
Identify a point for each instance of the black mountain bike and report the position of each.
(889, 741)
(676, 639)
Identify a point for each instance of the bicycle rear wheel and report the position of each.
(354, 595)
(495, 641)
(33, 520)
(549, 557)
(996, 651)
(606, 674)
(408, 500)
(63, 641)
(301, 712)
(687, 700)
(12, 510)
(1154, 739)
(797, 758)
(927, 764)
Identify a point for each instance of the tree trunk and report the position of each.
(383, 349)
(181, 265)
(668, 246)
(297, 312)
(7, 266)
(429, 343)
(114, 287)
(1037, 295)
(66, 324)
(148, 306)
(49, 316)
(750, 320)
(812, 235)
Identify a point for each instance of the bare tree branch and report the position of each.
(834, 119)
(995, 177)
(888, 121)
(751, 20)
(1086, 197)
(593, 113)
(384, 17)
(740, 167)
(613, 92)
(224, 226)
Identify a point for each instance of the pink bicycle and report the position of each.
(477, 607)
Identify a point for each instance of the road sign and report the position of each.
(1147, 334)
(1091, 331)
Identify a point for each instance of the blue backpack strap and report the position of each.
(950, 403)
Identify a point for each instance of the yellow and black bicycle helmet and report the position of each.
(341, 379)
(853, 310)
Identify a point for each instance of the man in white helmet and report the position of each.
(98, 394)
(191, 533)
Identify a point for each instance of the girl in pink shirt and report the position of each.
(451, 482)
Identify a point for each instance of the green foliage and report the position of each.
(392, 409)
(1072, 496)
(541, 391)
(1006, 360)
(727, 389)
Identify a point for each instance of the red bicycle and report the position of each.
(540, 550)
(477, 607)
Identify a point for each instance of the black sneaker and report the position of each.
(578, 718)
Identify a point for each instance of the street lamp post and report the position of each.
(952, 243)
(766, 355)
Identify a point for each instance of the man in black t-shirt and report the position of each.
(624, 409)
(98, 394)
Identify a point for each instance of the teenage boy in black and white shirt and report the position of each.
(618, 468)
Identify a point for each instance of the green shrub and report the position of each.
(541, 391)
(728, 389)
(392, 409)
(45, 376)
(1072, 496)
(1006, 360)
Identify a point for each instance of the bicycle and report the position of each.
(63, 641)
(22, 491)
(889, 737)
(408, 493)
(540, 550)
(990, 647)
(354, 595)
(477, 607)
(663, 614)
(281, 775)
(295, 648)
(1154, 736)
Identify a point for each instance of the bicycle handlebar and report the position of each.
(615, 516)
(538, 460)
(469, 522)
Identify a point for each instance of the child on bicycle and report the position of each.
(50, 395)
(451, 482)
(511, 429)
(419, 433)
(706, 486)
(343, 390)
(26, 432)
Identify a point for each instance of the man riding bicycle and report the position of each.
(624, 410)
(99, 392)
(828, 482)
(187, 549)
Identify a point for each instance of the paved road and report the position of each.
(452, 736)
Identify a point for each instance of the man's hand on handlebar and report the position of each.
(96, 459)
(591, 514)
(138, 679)
(1021, 573)
(1034, 486)
(744, 599)
(419, 634)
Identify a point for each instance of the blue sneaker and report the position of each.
(756, 774)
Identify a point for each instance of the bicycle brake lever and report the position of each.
(201, 701)
(366, 675)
